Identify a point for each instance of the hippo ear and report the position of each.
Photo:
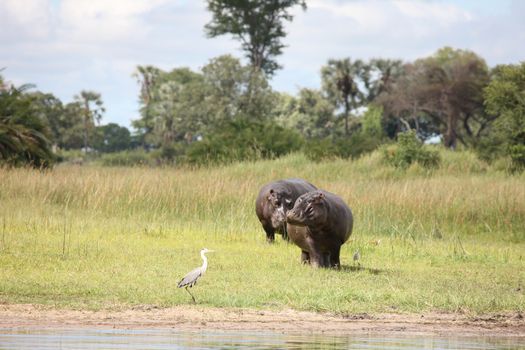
(269, 198)
(319, 197)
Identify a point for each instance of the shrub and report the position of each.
(128, 158)
(517, 156)
(320, 149)
(408, 150)
(342, 147)
(244, 140)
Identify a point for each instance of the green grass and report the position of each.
(92, 237)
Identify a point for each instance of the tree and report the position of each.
(112, 138)
(258, 24)
(183, 104)
(234, 90)
(24, 137)
(310, 113)
(379, 76)
(147, 77)
(405, 108)
(445, 90)
(51, 111)
(92, 109)
(339, 80)
(371, 122)
(505, 99)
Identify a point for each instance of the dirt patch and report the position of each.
(196, 317)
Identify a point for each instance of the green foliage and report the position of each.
(243, 140)
(408, 150)
(181, 105)
(310, 113)
(24, 136)
(371, 122)
(91, 109)
(258, 25)
(232, 89)
(340, 83)
(137, 157)
(505, 98)
(517, 156)
(442, 93)
(111, 138)
(352, 146)
(320, 149)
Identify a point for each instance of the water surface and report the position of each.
(173, 339)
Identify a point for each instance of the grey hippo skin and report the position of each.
(319, 223)
(274, 201)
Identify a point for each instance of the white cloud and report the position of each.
(27, 19)
(103, 20)
(434, 12)
(365, 15)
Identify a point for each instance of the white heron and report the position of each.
(191, 277)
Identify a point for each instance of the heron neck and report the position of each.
(204, 262)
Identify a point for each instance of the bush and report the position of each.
(320, 149)
(517, 156)
(244, 140)
(408, 150)
(129, 158)
(342, 147)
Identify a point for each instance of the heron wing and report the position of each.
(191, 278)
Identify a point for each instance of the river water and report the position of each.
(173, 339)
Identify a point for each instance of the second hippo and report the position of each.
(319, 223)
(274, 201)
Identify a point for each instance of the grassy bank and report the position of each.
(90, 237)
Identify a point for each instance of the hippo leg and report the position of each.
(270, 233)
(305, 257)
(316, 258)
(334, 257)
(284, 233)
(328, 259)
(325, 259)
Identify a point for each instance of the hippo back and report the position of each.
(341, 217)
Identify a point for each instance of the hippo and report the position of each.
(274, 201)
(319, 223)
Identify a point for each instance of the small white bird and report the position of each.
(191, 277)
(357, 256)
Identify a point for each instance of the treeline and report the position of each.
(228, 111)
(36, 127)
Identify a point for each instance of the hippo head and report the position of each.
(280, 203)
(309, 209)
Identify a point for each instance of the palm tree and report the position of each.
(92, 109)
(23, 135)
(339, 79)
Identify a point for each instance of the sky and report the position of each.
(66, 46)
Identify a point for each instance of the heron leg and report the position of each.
(187, 290)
